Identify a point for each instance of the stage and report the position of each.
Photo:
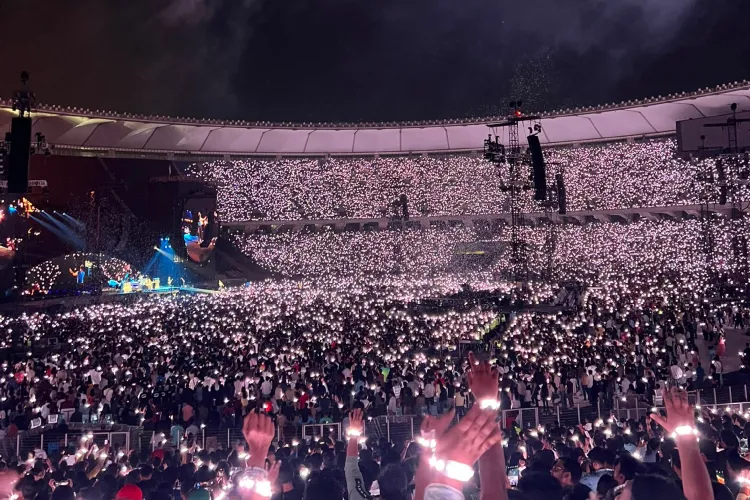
(88, 297)
(158, 291)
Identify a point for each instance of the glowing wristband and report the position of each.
(353, 433)
(426, 443)
(489, 404)
(452, 470)
(685, 430)
(261, 487)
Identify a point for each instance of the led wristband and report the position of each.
(685, 430)
(256, 479)
(452, 470)
(489, 404)
(425, 442)
(260, 486)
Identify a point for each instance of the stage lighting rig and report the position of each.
(514, 181)
(731, 126)
(41, 146)
(23, 100)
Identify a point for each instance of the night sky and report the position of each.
(366, 60)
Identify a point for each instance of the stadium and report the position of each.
(176, 275)
(280, 187)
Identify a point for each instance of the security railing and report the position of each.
(395, 428)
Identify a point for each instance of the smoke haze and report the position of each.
(330, 60)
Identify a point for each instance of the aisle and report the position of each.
(736, 341)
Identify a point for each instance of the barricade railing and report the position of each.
(527, 418)
(392, 427)
(314, 432)
(220, 439)
(723, 395)
(52, 440)
(395, 428)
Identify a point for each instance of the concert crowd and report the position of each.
(311, 351)
(394, 323)
(584, 253)
(597, 177)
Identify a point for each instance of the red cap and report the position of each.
(129, 492)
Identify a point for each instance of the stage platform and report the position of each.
(158, 291)
(85, 298)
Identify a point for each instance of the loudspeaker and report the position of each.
(405, 206)
(18, 159)
(562, 206)
(720, 170)
(540, 171)
(723, 195)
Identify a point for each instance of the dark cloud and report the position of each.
(319, 60)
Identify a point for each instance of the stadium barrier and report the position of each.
(395, 428)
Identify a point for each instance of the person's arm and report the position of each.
(680, 419)
(649, 430)
(484, 385)
(422, 477)
(355, 483)
(258, 431)
(696, 483)
(355, 430)
(462, 446)
(431, 429)
(494, 484)
(100, 459)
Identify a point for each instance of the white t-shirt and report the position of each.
(625, 385)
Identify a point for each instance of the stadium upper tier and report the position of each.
(84, 131)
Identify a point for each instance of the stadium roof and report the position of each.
(79, 131)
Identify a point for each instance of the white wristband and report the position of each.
(489, 404)
(261, 487)
(452, 470)
(353, 433)
(426, 443)
(685, 430)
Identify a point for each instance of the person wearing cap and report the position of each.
(129, 492)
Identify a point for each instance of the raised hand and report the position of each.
(476, 433)
(679, 411)
(273, 471)
(483, 380)
(356, 423)
(435, 427)
(258, 431)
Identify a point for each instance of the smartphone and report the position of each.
(513, 474)
(720, 477)
(743, 446)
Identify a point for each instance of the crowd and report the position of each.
(587, 253)
(679, 452)
(597, 177)
(304, 351)
(366, 324)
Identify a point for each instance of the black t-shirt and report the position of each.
(297, 493)
(325, 403)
